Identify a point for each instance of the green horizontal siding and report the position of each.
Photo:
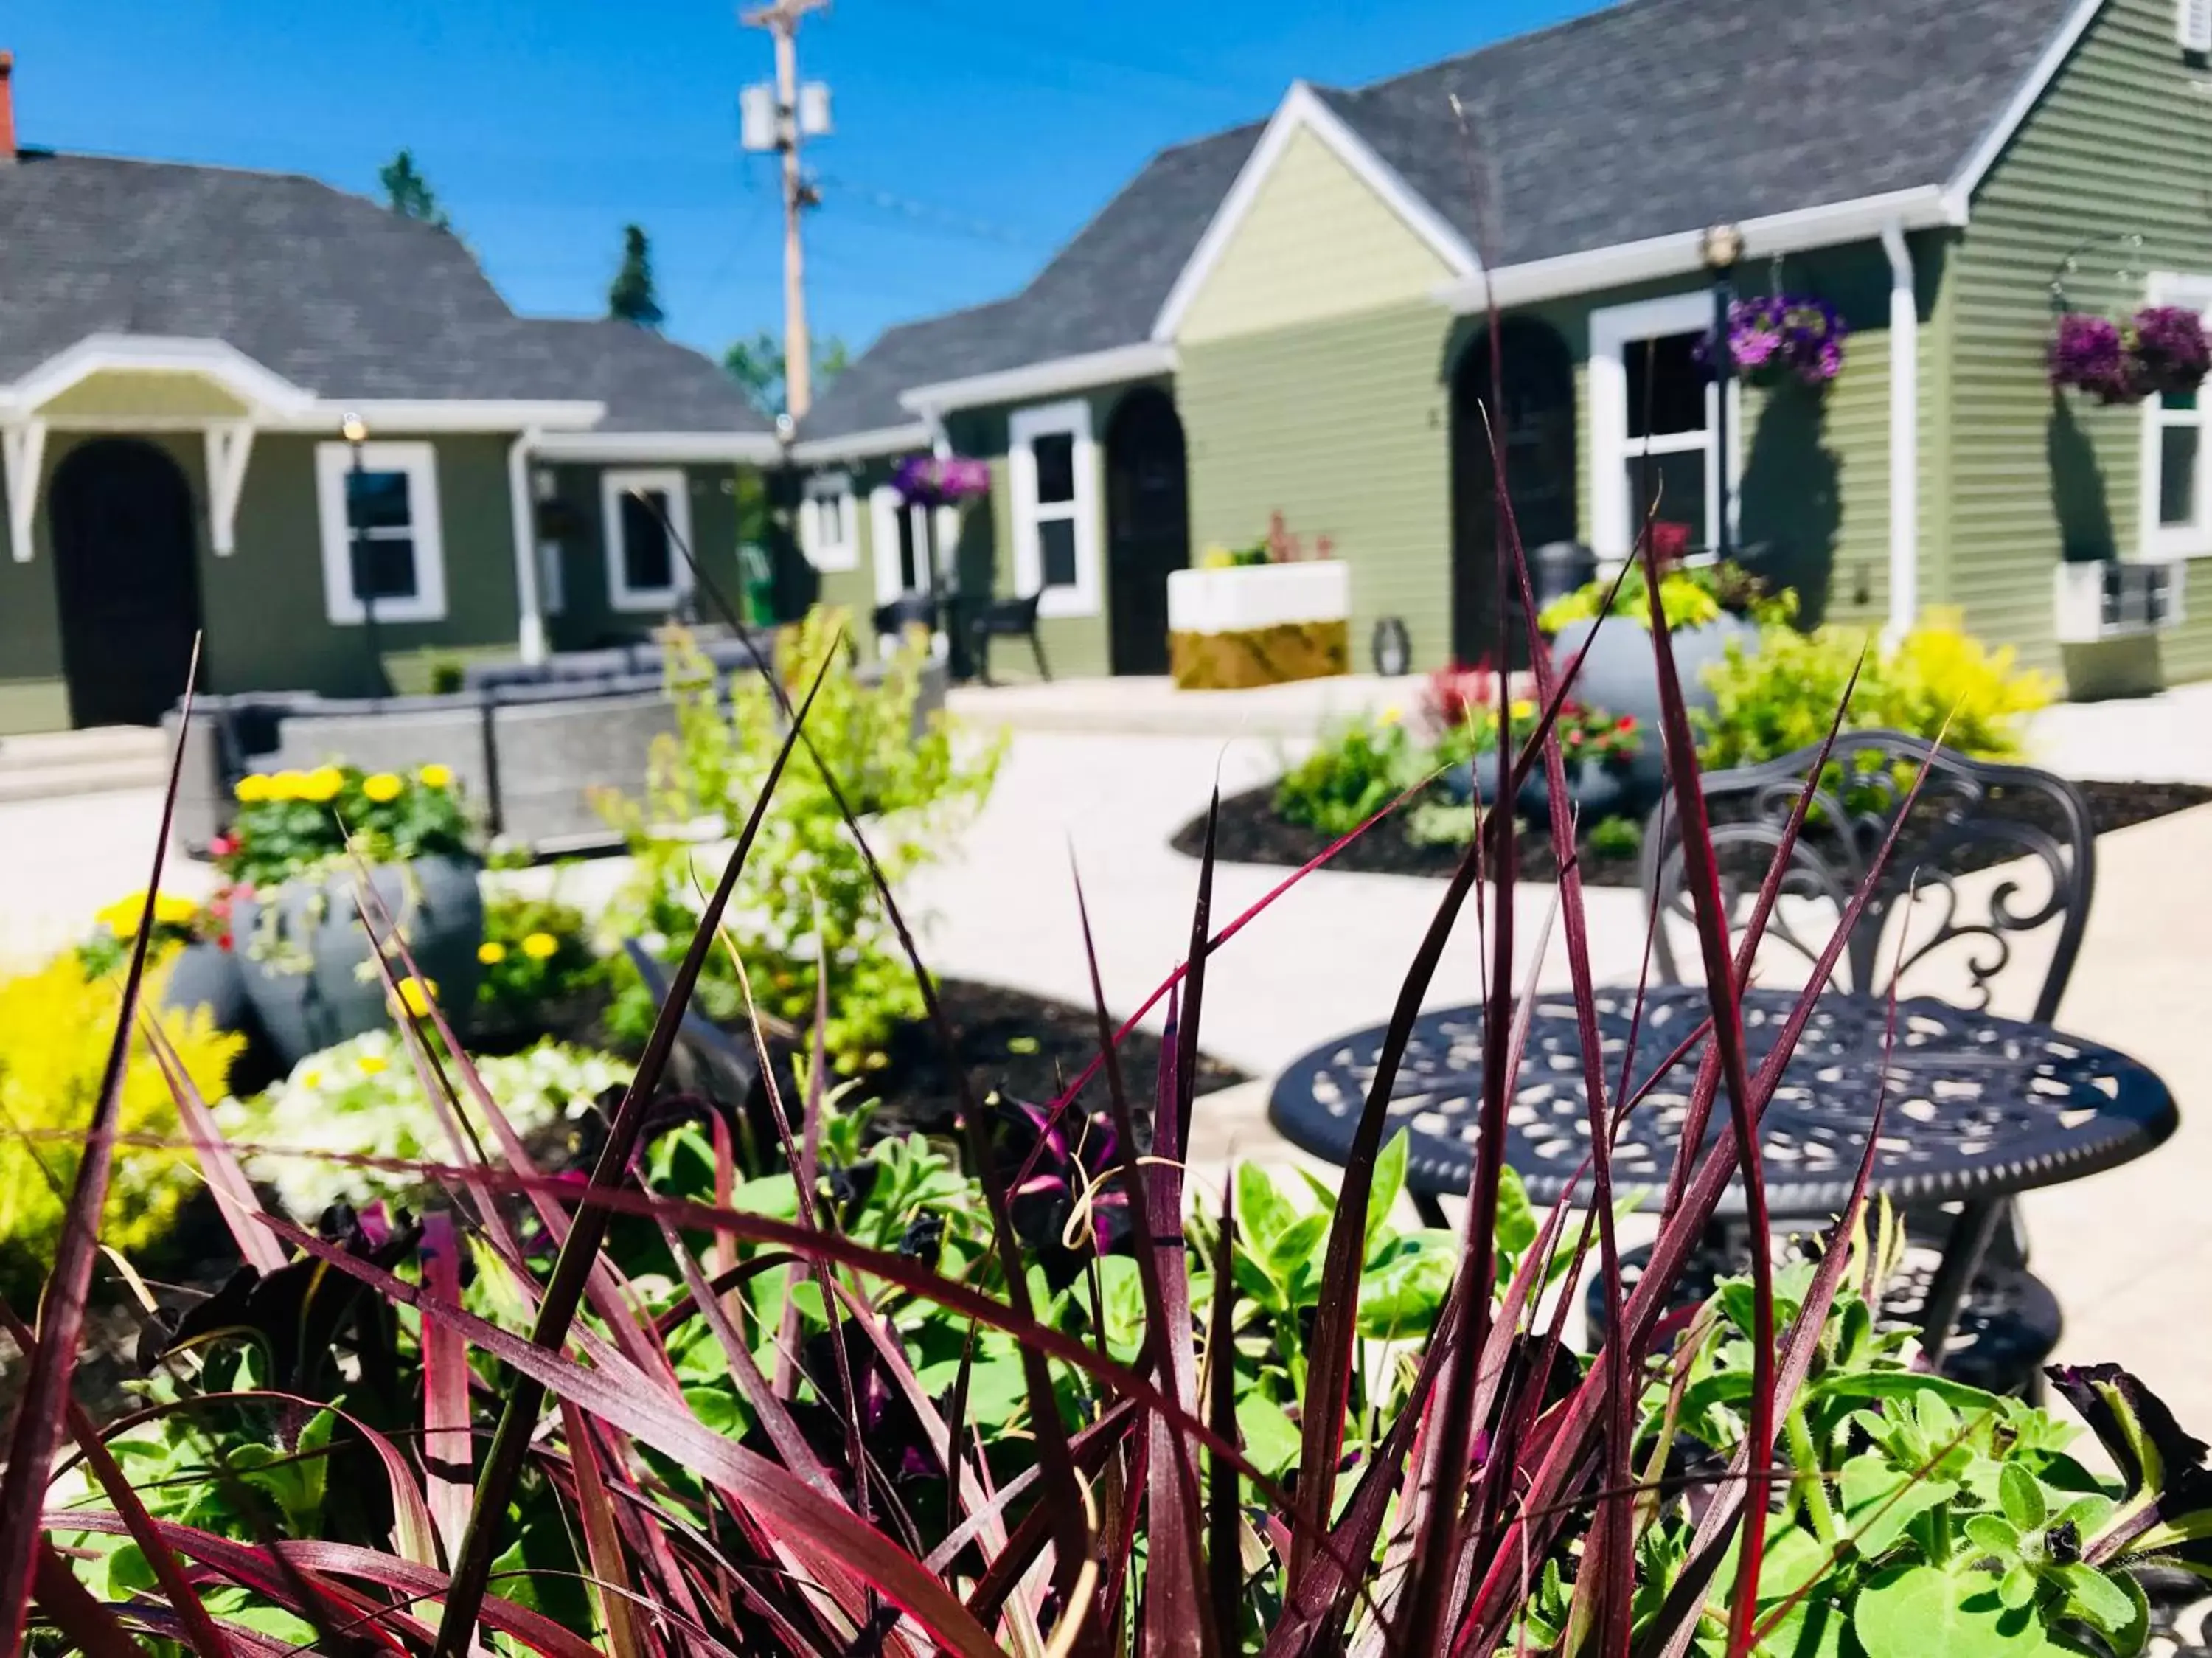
(1343, 427)
(2120, 146)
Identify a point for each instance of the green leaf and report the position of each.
(2021, 1498)
(1401, 1295)
(1516, 1218)
(2016, 1588)
(1295, 1245)
(1993, 1535)
(1271, 1439)
(1914, 1612)
(2099, 1600)
(1881, 1500)
(1389, 1180)
(1263, 1212)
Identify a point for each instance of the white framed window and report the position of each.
(387, 495)
(902, 534)
(552, 596)
(644, 514)
(829, 523)
(2177, 447)
(1053, 467)
(1654, 416)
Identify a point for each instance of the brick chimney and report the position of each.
(7, 106)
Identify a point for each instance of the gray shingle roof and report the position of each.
(649, 384)
(1661, 116)
(1650, 117)
(328, 290)
(1101, 291)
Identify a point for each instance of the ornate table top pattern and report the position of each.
(1975, 1105)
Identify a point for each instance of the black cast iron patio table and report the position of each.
(1975, 1107)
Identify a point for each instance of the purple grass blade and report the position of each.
(1223, 1530)
(219, 1164)
(92, 1628)
(580, 1250)
(602, 1545)
(448, 1449)
(41, 1410)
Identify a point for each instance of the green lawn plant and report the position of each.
(1354, 771)
(1780, 696)
(807, 895)
(1053, 1388)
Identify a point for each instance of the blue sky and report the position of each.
(974, 136)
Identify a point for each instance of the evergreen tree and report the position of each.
(408, 193)
(631, 297)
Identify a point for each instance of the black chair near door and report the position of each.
(1006, 619)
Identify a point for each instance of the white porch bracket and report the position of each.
(23, 450)
(229, 447)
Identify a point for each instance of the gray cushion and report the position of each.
(553, 754)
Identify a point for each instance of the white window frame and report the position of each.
(2168, 544)
(1068, 419)
(334, 462)
(829, 529)
(883, 506)
(552, 587)
(1615, 330)
(670, 481)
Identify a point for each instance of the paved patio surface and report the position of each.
(2127, 1251)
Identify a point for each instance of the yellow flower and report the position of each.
(373, 1065)
(415, 994)
(254, 789)
(541, 946)
(491, 952)
(436, 776)
(1390, 716)
(121, 917)
(311, 1079)
(172, 911)
(384, 788)
(288, 785)
(322, 784)
(1524, 709)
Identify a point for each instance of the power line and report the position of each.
(927, 216)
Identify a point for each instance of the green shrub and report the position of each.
(56, 1026)
(1354, 772)
(1616, 837)
(536, 953)
(1782, 695)
(806, 893)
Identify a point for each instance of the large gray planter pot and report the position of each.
(1621, 676)
(1596, 789)
(319, 989)
(207, 976)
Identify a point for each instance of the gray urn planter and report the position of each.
(1597, 789)
(210, 976)
(1621, 676)
(319, 988)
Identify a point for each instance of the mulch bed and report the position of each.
(1250, 832)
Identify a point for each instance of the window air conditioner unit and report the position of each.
(2111, 600)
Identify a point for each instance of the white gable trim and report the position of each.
(229, 447)
(1085, 373)
(1960, 192)
(259, 388)
(1681, 252)
(696, 447)
(862, 446)
(1302, 108)
(23, 450)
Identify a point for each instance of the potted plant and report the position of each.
(290, 863)
(1786, 337)
(1706, 607)
(932, 481)
(2160, 350)
(1598, 748)
(1277, 610)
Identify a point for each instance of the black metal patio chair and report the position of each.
(1007, 619)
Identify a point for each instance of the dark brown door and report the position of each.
(1147, 526)
(1537, 434)
(122, 518)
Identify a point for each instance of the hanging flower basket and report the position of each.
(1786, 337)
(2168, 352)
(2160, 350)
(928, 480)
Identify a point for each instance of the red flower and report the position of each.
(221, 846)
(223, 941)
(1625, 722)
(1574, 736)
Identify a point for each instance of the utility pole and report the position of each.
(798, 114)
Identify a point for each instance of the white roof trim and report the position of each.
(1302, 107)
(406, 417)
(1069, 373)
(862, 446)
(260, 388)
(1679, 254)
(675, 447)
(1960, 191)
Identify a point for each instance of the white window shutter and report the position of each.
(2193, 23)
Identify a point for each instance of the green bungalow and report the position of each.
(1292, 318)
(184, 351)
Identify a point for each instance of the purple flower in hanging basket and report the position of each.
(2168, 350)
(1786, 334)
(2088, 355)
(928, 480)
